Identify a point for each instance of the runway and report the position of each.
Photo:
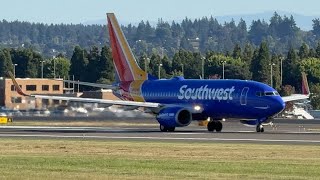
(281, 133)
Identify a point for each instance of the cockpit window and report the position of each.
(273, 93)
(268, 93)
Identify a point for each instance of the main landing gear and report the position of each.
(214, 125)
(260, 128)
(166, 129)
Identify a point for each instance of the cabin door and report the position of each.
(243, 96)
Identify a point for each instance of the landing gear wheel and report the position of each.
(166, 129)
(163, 128)
(171, 129)
(214, 125)
(218, 126)
(211, 126)
(259, 128)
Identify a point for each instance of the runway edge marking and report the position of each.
(162, 138)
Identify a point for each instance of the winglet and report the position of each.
(305, 85)
(18, 89)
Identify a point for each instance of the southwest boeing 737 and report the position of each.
(177, 102)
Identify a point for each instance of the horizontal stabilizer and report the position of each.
(305, 91)
(103, 86)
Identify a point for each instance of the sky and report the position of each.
(81, 11)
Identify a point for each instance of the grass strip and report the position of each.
(109, 159)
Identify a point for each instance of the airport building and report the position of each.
(10, 99)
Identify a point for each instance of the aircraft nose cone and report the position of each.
(280, 104)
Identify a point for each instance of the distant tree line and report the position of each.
(199, 35)
(246, 63)
(177, 49)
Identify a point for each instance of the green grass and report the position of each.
(84, 159)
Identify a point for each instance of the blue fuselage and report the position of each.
(217, 98)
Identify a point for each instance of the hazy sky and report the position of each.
(79, 11)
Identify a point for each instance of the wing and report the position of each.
(101, 101)
(86, 100)
(305, 91)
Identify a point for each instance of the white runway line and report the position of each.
(164, 138)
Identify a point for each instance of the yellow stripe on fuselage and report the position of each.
(137, 73)
(135, 91)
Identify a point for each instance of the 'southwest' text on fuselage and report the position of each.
(205, 93)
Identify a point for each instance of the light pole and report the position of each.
(42, 69)
(145, 64)
(271, 78)
(54, 67)
(202, 67)
(223, 62)
(159, 70)
(14, 69)
(182, 69)
(162, 55)
(281, 59)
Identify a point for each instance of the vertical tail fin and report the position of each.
(305, 85)
(16, 85)
(125, 64)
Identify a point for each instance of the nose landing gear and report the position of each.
(260, 128)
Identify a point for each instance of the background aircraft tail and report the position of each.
(305, 86)
(126, 66)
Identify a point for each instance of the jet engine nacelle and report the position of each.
(174, 117)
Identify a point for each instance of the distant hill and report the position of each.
(302, 21)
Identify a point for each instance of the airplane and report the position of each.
(176, 102)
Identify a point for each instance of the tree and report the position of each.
(316, 27)
(291, 74)
(177, 61)
(304, 51)
(93, 71)
(258, 31)
(312, 53)
(5, 62)
(318, 50)
(79, 62)
(155, 60)
(247, 54)
(143, 62)
(311, 66)
(62, 68)
(192, 65)
(261, 64)
(236, 52)
(315, 97)
(276, 81)
(106, 69)
(234, 68)
(242, 32)
(29, 63)
(166, 65)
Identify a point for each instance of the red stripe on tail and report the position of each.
(121, 65)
